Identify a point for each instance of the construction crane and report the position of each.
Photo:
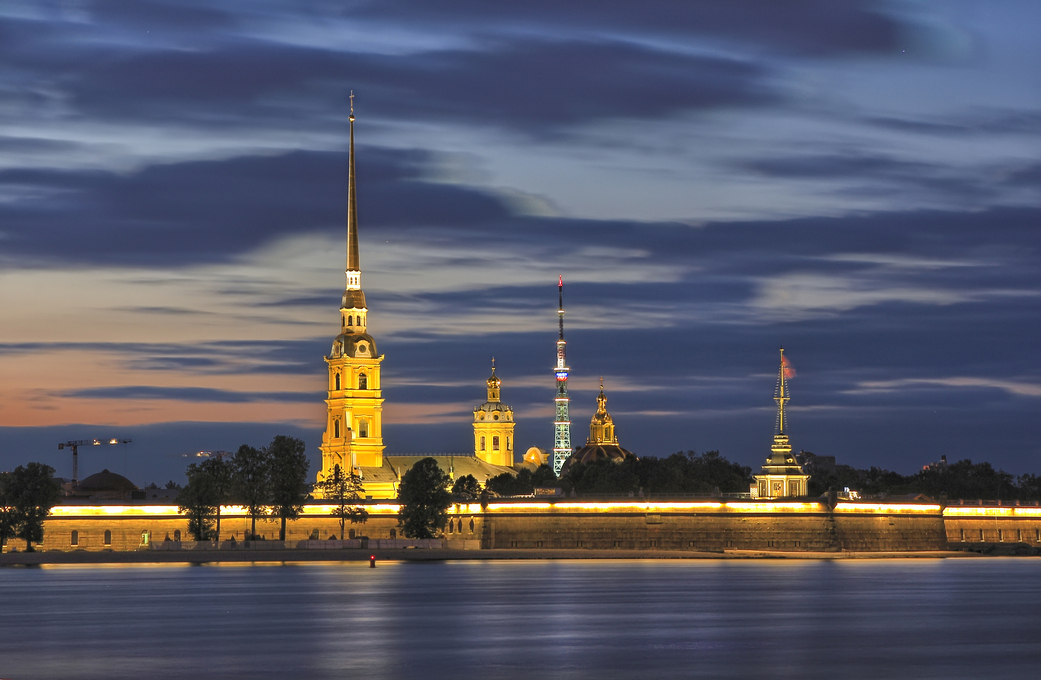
(75, 445)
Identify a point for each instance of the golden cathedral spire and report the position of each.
(353, 436)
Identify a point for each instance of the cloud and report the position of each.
(1017, 388)
(191, 394)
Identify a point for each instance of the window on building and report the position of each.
(337, 381)
(350, 320)
(495, 443)
(1019, 535)
(108, 537)
(146, 538)
(336, 428)
(607, 432)
(363, 382)
(177, 535)
(350, 534)
(471, 525)
(75, 540)
(451, 527)
(393, 533)
(981, 534)
(961, 535)
(1000, 537)
(482, 443)
(363, 428)
(538, 544)
(508, 445)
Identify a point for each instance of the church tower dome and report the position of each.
(493, 426)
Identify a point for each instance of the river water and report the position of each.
(910, 618)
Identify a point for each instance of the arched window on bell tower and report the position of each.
(363, 428)
(482, 443)
(495, 443)
(337, 381)
(363, 382)
(350, 320)
(336, 428)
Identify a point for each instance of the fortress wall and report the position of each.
(810, 529)
(992, 524)
(686, 526)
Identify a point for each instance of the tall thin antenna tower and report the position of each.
(562, 425)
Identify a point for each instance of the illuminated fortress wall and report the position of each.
(688, 526)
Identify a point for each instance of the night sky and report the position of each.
(859, 181)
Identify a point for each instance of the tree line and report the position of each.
(963, 479)
(682, 472)
(271, 480)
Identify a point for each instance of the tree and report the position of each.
(468, 486)
(220, 473)
(251, 481)
(31, 491)
(199, 500)
(345, 490)
(522, 483)
(289, 464)
(7, 523)
(424, 498)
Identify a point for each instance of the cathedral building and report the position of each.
(782, 476)
(353, 437)
(493, 427)
(603, 438)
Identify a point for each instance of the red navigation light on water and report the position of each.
(372, 561)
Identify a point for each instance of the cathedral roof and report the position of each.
(106, 481)
(353, 345)
(353, 299)
(594, 452)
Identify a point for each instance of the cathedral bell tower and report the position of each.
(354, 430)
(493, 427)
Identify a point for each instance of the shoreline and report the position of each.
(440, 555)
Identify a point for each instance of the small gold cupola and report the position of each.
(601, 427)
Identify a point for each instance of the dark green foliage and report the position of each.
(424, 498)
(524, 482)
(172, 485)
(30, 491)
(251, 481)
(7, 515)
(679, 473)
(288, 474)
(964, 480)
(220, 474)
(466, 486)
(199, 500)
(345, 490)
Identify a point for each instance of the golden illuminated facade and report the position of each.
(493, 427)
(353, 435)
(782, 476)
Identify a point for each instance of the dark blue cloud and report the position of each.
(190, 394)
